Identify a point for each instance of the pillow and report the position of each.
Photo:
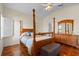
(23, 34)
(27, 34)
(30, 33)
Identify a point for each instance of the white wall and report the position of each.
(8, 41)
(27, 23)
(17, 31)
(1, 42)
(16, 16)
(12, 15)
(10, 38)
(68, 12)
(8, 27)
(39, 25)
(27, 20)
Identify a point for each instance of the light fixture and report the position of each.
(48, 6)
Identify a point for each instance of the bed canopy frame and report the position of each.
(34, 32)
(34, 27)
(34, 46)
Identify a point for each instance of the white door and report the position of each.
(16, 29)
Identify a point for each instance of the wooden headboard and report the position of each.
(26, 30)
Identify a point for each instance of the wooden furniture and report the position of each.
(38, 44)
(44, 33)
(26, 30)
(71, 40)
(65, 26)
(53, 28)
(65, 36)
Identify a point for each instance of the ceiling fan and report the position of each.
(49, 6)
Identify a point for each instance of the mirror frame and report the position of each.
(65, 22)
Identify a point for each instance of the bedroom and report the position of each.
(16, 17)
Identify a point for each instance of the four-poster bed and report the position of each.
(36, 41)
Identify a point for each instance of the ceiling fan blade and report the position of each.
(47, 4)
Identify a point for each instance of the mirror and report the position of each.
(65, 26)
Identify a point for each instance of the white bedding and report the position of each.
(27, 41)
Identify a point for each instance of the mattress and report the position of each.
(28, 41)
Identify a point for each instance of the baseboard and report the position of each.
(10, 46)
(9, 41)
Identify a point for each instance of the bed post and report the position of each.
(34, 27)
(53, 35)
(34, 32)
